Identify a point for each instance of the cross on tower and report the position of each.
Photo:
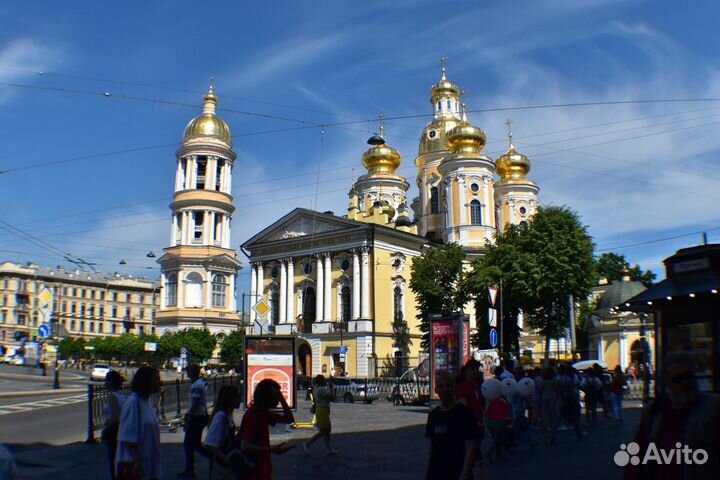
(381, 117)
(509, 123)
(443, 60)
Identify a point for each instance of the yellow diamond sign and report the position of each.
(261, 308)
(45, 296)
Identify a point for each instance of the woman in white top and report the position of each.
(139, 436)
(221, 432)
(112, 409)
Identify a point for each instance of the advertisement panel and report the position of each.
(450, 345)
(270, 358)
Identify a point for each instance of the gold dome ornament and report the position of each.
(466, 139)
(444, 87)
(208, 124)
(380, 159)
(512, 165)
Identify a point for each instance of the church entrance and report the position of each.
(305, 360)
(308, 309)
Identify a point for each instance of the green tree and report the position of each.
(614, 266)
(72, 347)
(401, 333)
(435, 278)
(231, 349)
(562, 264)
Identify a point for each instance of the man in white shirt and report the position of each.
(196, 419)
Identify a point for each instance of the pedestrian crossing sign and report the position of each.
(261, 308)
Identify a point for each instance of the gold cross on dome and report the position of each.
(509, 123)
(381, 117)
(443, 60)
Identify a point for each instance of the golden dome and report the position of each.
(434, 134)
(512, 165)
(466, 138)
(380, 158)
(208, 124)
(443, 88)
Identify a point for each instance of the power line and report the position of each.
(658, 240)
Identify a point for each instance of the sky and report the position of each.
(94, 98)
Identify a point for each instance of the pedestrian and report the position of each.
(112, 409)
(221, 433)
(592, 386)
(498, 417)
(681, 418)
(468, 393)
(138, 454)
(617, 390)
(321, 396)
(254, 435)
(196, 419)
(536, 419)
(549, 398)
(569, 402)
(452, 431)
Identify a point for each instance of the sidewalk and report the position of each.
(377, 441)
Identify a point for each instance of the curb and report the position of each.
(37, 393)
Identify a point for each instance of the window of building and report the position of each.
(345, 302)
(219, 288)
(100, 327)
(73, 308)
(102, 295)
(474, 187)
(274, 306)
(35, 302)
(82, 325)
(114, 312)
(115, 297)
(74, 292)
(345, 265)
(141, 330)
(21, 319)
(101, 312)
(434, 200)
(397, 302)
(475, 213)
(92, 326)
(113, 329)
(2, 335)
(449, 104)
(171, 285)
(64, 306)
(199, 218)
(4, 316)
(127, 314)
(82, 310)
(4, 300)
(201, 170)
(82, 293)
(522, 210)
(91, 311)
(141, 313)
(307, 268)
(35, 319)
(141, 298)
(218, 174)
(72, 325)
(193, 290)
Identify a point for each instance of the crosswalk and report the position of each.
(54, 402)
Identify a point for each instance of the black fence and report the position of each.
(400, 391)
(170, 404)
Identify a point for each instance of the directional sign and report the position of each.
(343, 349)
(492, 317)
(493, 337)
(261, 308)
(492, 292)
(44, 331)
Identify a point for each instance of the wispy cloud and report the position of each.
(22, 57)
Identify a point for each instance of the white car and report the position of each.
(99, 371)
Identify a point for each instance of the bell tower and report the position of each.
(199, 268)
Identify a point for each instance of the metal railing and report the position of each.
(170, 404)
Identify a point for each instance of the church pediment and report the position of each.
(301, 223)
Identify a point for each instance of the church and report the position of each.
(340, 284)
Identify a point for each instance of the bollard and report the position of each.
(91, 427)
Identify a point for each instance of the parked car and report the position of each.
(349, 391)
(99, 371)
(412, 388)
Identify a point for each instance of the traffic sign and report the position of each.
(493, 337)
(151, 346)
(44, 331)
(343, 349)
(45, 297)
(492, 292)
(261, 308)
(492, 317)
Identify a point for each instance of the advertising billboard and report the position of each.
(270, 357)
(450, 340)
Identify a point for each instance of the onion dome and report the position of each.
(403, 217)
(466, 139)
(380, 158)
(208, 124)
(512, 165)
(444, 88)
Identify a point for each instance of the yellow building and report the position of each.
(199, 267)
(86, 305)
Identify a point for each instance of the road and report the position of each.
(55, 425)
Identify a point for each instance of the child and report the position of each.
(321, 394)
(497, 418)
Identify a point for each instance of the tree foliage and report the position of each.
(435, 278)
(401, 333)
(231, 349)
(199, 342)
(614, 266)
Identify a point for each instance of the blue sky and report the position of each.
(635, 172)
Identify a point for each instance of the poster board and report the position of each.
(270, 357)
(450, 346)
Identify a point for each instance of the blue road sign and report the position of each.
(44, 331)
(343, 349)
(493, 338)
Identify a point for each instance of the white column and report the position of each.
(210, 173)
(487, 205)
(253, 290)
(327, 296)
(228, 178)
(319, 290)
(461, 200)
(231, 302)
(260, 282)
(623, 350)
(365, 301)
(291, 291)
(173, 233)
(179, 177)
(180, 289)
(191, 174)
(163, 295)
(601, 349)
(283, 292)
(226, 232)
(356, 286)
(450, 207)
(207, 285)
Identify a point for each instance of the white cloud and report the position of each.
(22, 57)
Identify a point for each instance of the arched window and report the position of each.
(434, 200)
(219, 288)
(475, 213)
(397, 301)
(171, 290)
(193, 290)
(345, 300)
(274, 306)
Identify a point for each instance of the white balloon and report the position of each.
(491, 389)
(526, 386)
(509, 387)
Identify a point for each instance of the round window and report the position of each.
(274, 273)
(432, 134)
(307, 268)
(474, 187)
(344, 265)
(523, 210)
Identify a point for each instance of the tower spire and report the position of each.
(210, 98)
(509, 123)
(443, 60)
(381, 117)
